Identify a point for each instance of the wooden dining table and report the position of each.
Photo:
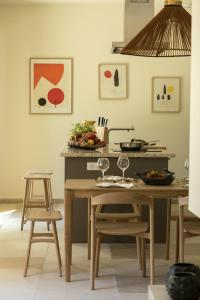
(86, 188)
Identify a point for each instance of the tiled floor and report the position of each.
(119, 278)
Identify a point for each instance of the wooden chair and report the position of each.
(173, 216)
(32, 200)
(50, 237)
(141, 230)
(134, 215)
(187, 229)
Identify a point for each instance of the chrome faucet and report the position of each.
(119, 129)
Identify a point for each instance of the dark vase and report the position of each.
(183, 267)
(183, 286)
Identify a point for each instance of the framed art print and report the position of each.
(166, 94)
(113, 81)
(51, 85)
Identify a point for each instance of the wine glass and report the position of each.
(123, 164)
(103, 165)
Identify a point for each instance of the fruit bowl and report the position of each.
(84, 136)
(155, 177)
(85, 146)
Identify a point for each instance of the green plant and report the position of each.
(82, 127)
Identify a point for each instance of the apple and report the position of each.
(90, 142)
(90, 135)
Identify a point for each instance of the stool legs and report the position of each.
(30, 200)
(46, 199)
(50, 194)
(43, 237)
(29, 248)
(57, 247)
(27, 193)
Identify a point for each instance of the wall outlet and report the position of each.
(92, 166)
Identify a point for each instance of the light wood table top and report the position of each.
(177, 188)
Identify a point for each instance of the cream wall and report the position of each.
(195, 111)
(84, 32)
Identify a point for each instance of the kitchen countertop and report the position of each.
(111, 151)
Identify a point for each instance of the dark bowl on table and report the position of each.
(164, 177)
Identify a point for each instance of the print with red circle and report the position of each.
(55, 96)
(107, 74)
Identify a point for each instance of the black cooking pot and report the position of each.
(135, 145)
(131, 146)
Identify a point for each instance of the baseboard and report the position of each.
(16, 200)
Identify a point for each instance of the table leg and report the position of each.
(89, 228)
(168, 228)
(152, 243)
(68, 233)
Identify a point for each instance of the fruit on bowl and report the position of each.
(84, 136)
(157, 177)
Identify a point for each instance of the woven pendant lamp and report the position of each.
(168, 34)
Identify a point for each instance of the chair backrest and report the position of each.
(121, 198)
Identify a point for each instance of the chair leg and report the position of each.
(139, 254)
(177, 242)
(29, 248)
(143, 257)
(93, 248)
(181, 235)
(98, 245)
(89, 228)
(168, 227)
(57, 247)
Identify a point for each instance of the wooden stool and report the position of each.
(50, 237)
(36, 201)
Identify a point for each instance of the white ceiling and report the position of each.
(55, 1)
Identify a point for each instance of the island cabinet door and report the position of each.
(76, 168)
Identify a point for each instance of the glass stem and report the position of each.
(123, 174)
(103, 174)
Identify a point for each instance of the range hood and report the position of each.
(137, 13)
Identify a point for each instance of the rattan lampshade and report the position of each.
(167, 34)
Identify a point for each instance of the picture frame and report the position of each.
(166, 94)
(113, 81)
(51, 85)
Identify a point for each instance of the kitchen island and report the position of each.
(77, 165)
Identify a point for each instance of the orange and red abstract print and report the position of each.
(51, 85)
(52, 72)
